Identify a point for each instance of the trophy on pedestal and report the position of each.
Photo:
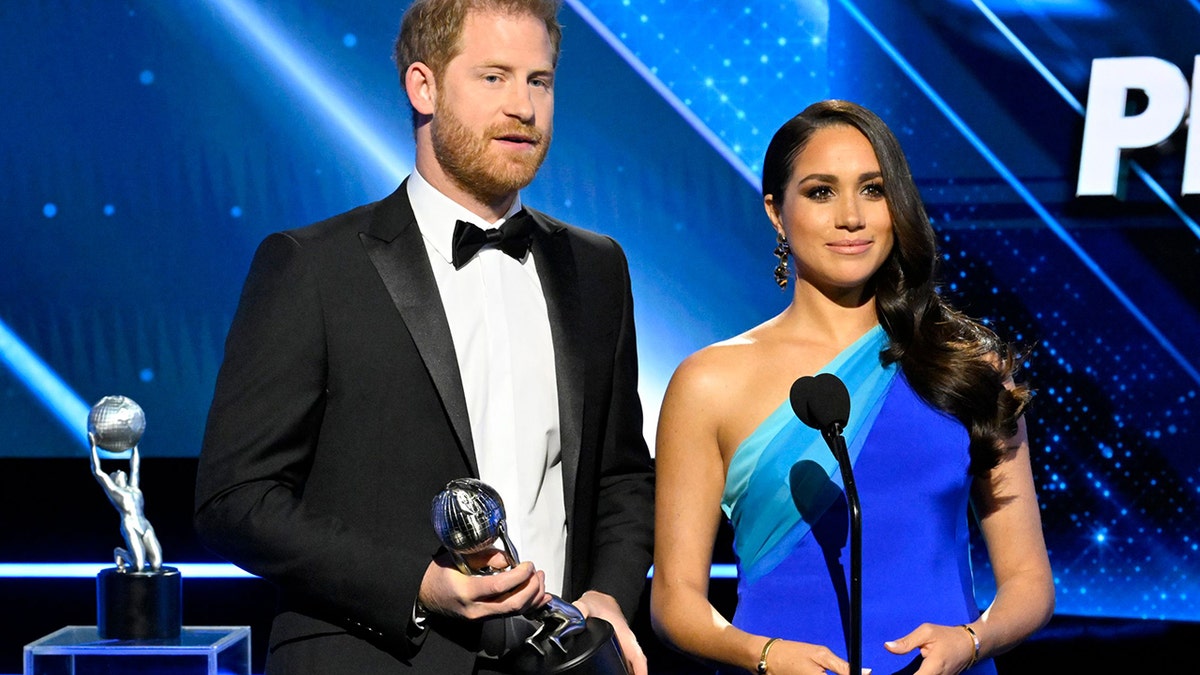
(468, 516)
(139, 599)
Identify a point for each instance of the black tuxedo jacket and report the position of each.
(339, 413)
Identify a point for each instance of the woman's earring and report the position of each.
(781, 270)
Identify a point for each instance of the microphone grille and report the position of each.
(821, 401)
(802, 392)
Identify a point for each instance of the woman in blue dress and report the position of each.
(935, 432)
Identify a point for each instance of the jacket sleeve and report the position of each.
(624, 532)
(259, 444)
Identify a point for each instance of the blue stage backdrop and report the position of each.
(148, 146)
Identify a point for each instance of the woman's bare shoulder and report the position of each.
(722, 368)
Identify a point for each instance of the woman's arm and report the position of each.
(1012, 529)
(691, 479)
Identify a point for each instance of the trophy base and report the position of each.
(592, 651)
(143, 605)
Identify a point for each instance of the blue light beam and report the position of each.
(294, 65)
(200, 571)
(90, 570)
(49, 388)
(665, 92)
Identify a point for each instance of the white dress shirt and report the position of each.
(501, 332)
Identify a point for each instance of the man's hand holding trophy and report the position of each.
(468, 516)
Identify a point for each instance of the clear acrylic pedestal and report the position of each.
(199, 650)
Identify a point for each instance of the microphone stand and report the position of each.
(837, 445)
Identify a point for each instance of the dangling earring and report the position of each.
(781, 270)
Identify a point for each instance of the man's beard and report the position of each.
(465, 158)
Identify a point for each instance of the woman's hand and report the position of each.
(803, 658)
(945, 650)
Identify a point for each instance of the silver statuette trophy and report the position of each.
(139, 599)
(468, 516)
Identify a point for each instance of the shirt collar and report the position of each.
(437, 214)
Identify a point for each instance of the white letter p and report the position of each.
(1106, 128)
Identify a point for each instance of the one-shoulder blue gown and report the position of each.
(785, 500)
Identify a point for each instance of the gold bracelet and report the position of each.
(762, 658)
(975, 641)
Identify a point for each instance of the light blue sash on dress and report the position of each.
(758, 497)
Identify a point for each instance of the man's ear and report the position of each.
(421, 88)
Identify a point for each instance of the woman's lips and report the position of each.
(849, 246)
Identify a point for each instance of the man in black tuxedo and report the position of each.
(381, 353)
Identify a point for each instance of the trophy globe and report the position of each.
(116, 423)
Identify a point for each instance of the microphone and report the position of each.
(823, 403)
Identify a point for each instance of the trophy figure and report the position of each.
(139, 598)
(468, 516)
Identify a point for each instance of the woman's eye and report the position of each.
(819, 192)
(874, 189)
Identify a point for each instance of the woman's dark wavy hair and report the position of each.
(956, 364)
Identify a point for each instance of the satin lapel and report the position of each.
(393, 242)
(560, 284)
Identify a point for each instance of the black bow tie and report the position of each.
(514, 237)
